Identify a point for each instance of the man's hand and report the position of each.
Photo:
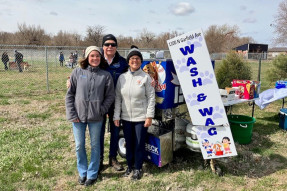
(117, 123)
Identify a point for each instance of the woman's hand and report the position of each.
(147, 122)
(117, 123)
(68, 83)
(76, 120)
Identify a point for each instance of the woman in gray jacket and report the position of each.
(88, 98)
(134, 105)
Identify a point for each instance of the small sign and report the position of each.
(215, 142)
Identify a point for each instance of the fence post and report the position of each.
(47, 69)
(259, 68)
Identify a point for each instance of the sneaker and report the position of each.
(137, 174)
(82, 180)
(114, 163)
(90, 182)
(128, 172)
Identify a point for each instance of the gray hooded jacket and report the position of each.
(90, 95)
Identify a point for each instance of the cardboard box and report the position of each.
(246, 88)
(230, 93)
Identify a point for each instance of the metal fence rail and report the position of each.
(40, 69)
(33, 69)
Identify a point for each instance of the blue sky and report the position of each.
(130, 17)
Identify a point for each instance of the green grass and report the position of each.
(37, 145)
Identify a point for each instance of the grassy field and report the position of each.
(37, 146)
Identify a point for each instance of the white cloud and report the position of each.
(249, 20)
(182, 9)
(53, 13)
(243, 7)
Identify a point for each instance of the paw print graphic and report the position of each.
(207, 77)
(202, 132)
(191, 100)
(218, 113)
(197, 44)
(181, 65)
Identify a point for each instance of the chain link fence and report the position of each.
(39, 69)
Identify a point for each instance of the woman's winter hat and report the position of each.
(134, 51)
(90, 49)
(109, 37)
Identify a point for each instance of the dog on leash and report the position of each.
(26, 66)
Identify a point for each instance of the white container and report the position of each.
(179, 133)
(191, 140)
(224, 95)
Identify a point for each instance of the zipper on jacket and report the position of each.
(89, 95)
(131, 97)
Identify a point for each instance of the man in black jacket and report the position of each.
(116, 66)
(18, 60)
(5, 59)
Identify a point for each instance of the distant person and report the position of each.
(61, 58)
(76, 56)
(83, 54)
(134, 106)
(72, 60)
(88, 99)
(5, 60)
(19, 60)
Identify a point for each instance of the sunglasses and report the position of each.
(110, 44)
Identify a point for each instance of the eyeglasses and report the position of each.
(110, 44)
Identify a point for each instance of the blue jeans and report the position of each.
(115, 131)
(79, 130)
(135, 136)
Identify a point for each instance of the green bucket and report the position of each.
(241, 128)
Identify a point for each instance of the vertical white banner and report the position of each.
(197, 79)
(196, 76)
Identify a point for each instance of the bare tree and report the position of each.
(66, 39)
(125, 42)
(224, 38)
(94, 35)
(6, 38)
(217, 36)
(146, 39)
(244, 40)
(163, 37)
(31, 35)
(280, 25)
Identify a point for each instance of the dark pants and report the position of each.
(114, 135)
(19, 65)
(5, 64)
(61, 63)
(135, 135)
